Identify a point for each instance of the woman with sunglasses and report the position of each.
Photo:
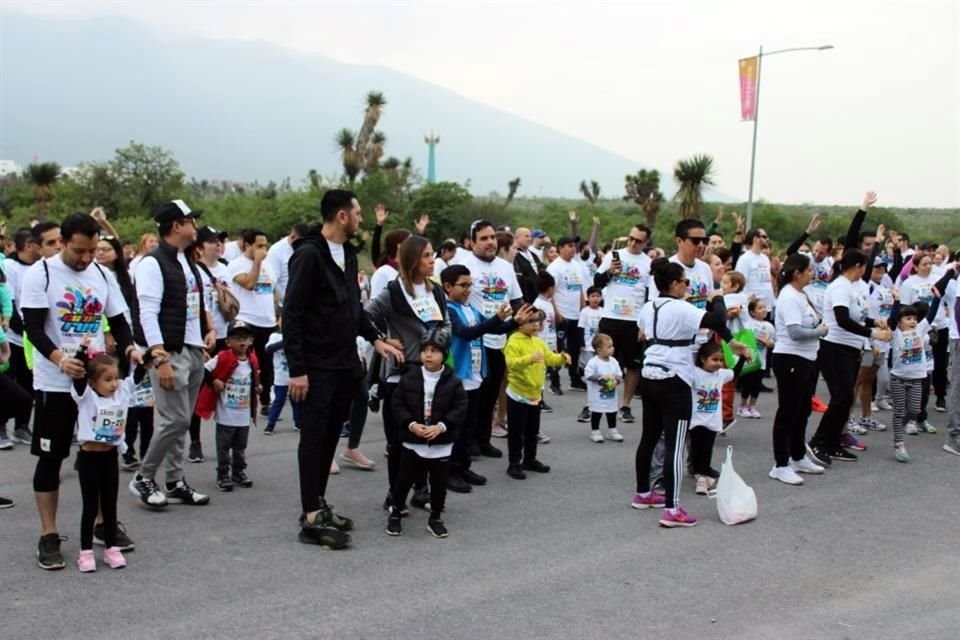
(670, 327)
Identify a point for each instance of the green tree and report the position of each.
(512, 187)
(690, 176)
(441, 201)
(591, 193)
(43, 176)
(644, 189)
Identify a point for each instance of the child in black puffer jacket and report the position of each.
(429, 406)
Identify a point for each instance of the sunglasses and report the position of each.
(632, 239)
(703, 240)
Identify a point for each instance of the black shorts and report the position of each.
(54, 418)
(626, 349)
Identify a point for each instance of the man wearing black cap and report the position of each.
(321, 320)
(173, 321)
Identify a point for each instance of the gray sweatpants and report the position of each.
(172, 411)
(953, 392)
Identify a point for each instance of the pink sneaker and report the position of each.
(651, 501)
(357, 459)
(114, 558)
(86, 562)
(677, 518)
(850, 441)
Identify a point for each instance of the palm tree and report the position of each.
(375, 104)
(591, 193)
(690, 176)
(43, 176)
(372, 159)
(513, 185)
(348, 154)
(644, 189)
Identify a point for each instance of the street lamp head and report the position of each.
(825, 47)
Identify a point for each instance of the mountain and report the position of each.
(75, 90)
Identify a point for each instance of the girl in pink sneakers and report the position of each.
(102, 400)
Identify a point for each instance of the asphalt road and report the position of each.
(869, 550)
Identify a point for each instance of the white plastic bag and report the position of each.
(736, 500)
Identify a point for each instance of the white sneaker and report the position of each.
(911, 428)
(614, 435)
(884, 405)
(874, 407)
(855, 427)
(871, 424)
(927, 427)
(785, 475)
(754, 413)
(806, 465)
(744, 412)
(704, 485)
(542, 438)
(596, 436)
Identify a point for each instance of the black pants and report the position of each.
(20, 373)
(667, 406)
(16, 399)
(573, 343)
(390, 432)
(260, 337)
(231, 440)
(524, 422)
(139, 421)
(924, 400)
(99, 482)
(796, 384)
(595, 420)
(412, 469)
(358, 414)
(941, 362)
(460, 458)
(839, 365)
(489, 393)
(702, 440)
(325, 409)
(750, 384)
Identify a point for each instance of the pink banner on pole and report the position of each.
(748, 88)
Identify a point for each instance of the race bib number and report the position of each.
(143, 394)
(237, 393)
(426, 309)
(476, 356)
(109, 425)
(624, 306)
(193, 305)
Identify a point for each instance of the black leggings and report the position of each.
(941, 362)
(414, 469)
(750, 384)
(796, 384)
(20, 373)
(924, 400)
(595, 420)
(260, 337)
(16, 400)
(667, 405)
(489, 393)
(99, 482)
(460, 458)
(701, 451)
(839, 365)
(140, 419)
(358, 415)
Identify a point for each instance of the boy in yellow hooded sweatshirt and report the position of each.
(527, 359)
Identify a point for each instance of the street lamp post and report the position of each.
(756, 117)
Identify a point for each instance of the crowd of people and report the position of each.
(124, 351)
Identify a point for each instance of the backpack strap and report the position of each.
(662, 342)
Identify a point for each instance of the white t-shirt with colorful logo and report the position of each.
(601, 398)
(494, 283)
(700, 287)
(910, 352)
(210, 299)
(590, 323)
(568, 293)
(281, 371)
(76, 302)
(233, 403)
(257, 305)
(626, 293)
(548, 328)
(708, 398)
(103, 419)
(822, 271)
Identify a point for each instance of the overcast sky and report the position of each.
(657, 81)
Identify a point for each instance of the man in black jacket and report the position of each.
(527, 265)
(322, 318)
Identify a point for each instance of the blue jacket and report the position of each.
(466, 334)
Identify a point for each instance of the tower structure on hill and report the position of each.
(432, 142)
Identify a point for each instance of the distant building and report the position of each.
(70, 172)
(10, 168)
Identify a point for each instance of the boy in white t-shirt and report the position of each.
(548, 329)
(604, 378)
(589, 323)
(233, 376)
(281, 382)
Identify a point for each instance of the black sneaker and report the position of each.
(584, 415)
(473, 478)
(182, 493)
(842, 454)
(265, 410)
(626, 415)
(196, 452)
(296, 428)
(404, 510)
(394, 523)
(489, 451)
(941, 405)
(819, 455)
(578, 385)
(556, 390)
(268, 430)
(224, 484)
(5, 503)
(240, 478)
(545, 408)
(421, 499)
(123, 541)
(148, 492)
(457, 484)
(319, 532)
(48, 552)
(515, 471)
(436, 528)
(130, 462)
(536, 465)
(332, 519)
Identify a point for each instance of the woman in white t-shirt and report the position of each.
(845, 312)
(797, 342)
(670, 326)
(387, 267)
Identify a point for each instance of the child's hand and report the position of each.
(218, 386)
(733, 312)
(429, 433)
(87, 341)
(566, 358)
(537, 357)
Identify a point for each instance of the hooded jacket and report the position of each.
(449, 405)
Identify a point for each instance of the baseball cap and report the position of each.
(206, 234)
(174, 210)
(239, 327)
(878, 262)
(538, 233)
(564, 240)
(436, 338)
